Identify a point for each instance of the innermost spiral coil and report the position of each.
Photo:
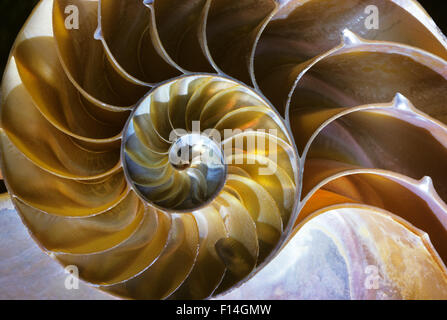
(184, 176)
(173, 143)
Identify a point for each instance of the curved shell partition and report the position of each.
(181, 149)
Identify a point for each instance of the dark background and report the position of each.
(13, 14)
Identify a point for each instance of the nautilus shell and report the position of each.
(185, 148)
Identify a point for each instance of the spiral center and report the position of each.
(201, 160)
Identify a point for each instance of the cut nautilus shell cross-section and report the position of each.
(190, 149)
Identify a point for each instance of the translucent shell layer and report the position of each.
(352, 133)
